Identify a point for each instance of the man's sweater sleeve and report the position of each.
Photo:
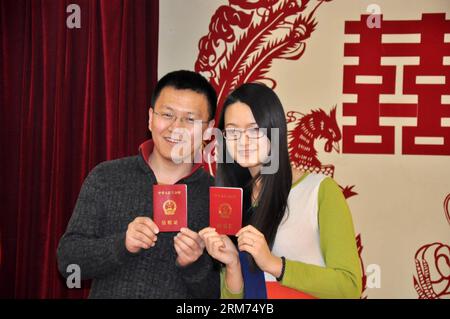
(83, 244)
(202, 277)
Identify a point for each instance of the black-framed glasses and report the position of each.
(170, 118)
(233, 134)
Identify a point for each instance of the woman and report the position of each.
(298, 238)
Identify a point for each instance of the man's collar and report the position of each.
(146, 149)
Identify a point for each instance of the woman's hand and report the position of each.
(253, 241)
(220, 247)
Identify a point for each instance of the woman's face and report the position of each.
(246, 142)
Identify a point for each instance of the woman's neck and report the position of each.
(255, 170)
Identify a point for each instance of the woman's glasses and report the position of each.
(233, 134)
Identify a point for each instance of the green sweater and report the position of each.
(341, 277)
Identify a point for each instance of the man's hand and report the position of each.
(141, 234)
(189, 246)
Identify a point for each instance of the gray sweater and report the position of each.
(112, 196)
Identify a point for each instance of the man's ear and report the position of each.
(150, 118)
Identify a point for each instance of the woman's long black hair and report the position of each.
(272, 199)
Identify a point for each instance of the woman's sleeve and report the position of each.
(342, 277)
(225, 293)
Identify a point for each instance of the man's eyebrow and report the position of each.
(166, 107)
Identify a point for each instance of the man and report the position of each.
(111, 235)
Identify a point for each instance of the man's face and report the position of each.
(171, 123)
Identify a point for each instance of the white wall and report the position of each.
(400, 203)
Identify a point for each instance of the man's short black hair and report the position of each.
(188, 80)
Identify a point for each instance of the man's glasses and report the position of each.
(233, 134)
(171, 118)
